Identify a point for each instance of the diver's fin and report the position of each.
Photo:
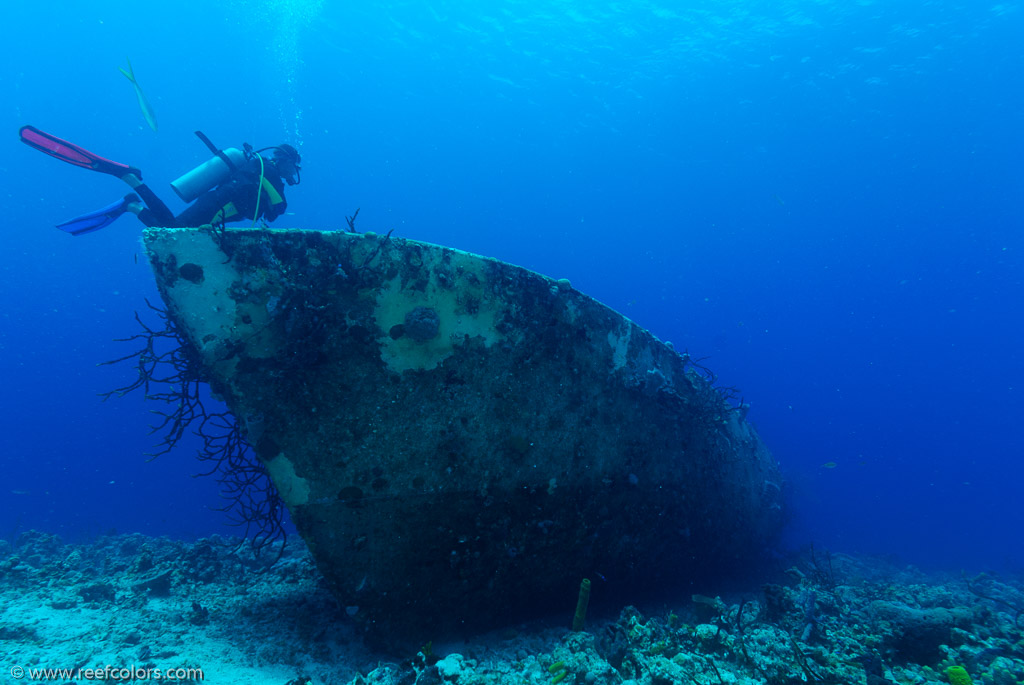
(73, 154)
(94, 221)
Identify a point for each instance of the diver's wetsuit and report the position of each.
(232, 200)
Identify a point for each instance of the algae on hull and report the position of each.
(460, 440)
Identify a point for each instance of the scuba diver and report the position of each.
(234, 185)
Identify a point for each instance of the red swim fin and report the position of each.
(73, 154)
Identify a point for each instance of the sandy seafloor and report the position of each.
(134, 601)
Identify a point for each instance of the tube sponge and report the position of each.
(581, 607)
(958, 675)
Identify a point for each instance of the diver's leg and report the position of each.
(207, 209)
(149, 219)
(156, 212)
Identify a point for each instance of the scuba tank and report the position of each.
(213, 171)
(210, 173)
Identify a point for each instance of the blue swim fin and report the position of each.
(94, 221)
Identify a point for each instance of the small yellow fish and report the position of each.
(829, 465)
(147, 109)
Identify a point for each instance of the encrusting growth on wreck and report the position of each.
(443, 425)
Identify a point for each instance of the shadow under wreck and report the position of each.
(460, 440)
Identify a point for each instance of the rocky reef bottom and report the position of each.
(132, 606)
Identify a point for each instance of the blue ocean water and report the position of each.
(823, 198)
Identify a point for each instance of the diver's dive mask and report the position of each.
(287, 159)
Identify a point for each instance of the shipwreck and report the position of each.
(459, 440)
